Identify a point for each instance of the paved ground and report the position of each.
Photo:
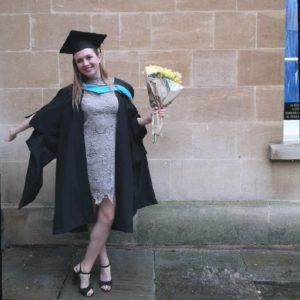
(163, 274)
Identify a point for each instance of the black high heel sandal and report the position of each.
(105, 283)
(76, 279)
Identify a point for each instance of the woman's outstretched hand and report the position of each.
(11, 135)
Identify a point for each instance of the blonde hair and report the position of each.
(79, 79)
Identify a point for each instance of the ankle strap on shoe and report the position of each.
(102, 267)
(81, 272)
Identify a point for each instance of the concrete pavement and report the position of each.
(44, 273)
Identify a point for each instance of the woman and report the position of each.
(95, 133)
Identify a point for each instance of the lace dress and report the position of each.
(100, 118)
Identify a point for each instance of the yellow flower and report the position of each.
(157, 71)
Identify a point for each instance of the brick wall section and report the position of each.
(216, 133)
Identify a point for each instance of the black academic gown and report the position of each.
(58, 133)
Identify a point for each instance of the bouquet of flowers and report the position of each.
(163, 86)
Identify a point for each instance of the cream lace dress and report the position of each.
(100, 119)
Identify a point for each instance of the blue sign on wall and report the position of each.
(291, 78)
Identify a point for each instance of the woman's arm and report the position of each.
(147, 120)
(12, 134)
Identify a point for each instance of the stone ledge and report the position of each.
(195, 223)
(284, 151)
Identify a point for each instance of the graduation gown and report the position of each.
(58, 134)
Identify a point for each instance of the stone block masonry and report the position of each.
(216, 135)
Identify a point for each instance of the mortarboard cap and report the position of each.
(78, 40)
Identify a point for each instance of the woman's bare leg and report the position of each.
(105, 273)
(98, 236)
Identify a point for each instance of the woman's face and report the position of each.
(87, 62)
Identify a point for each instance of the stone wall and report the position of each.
(216, 133)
